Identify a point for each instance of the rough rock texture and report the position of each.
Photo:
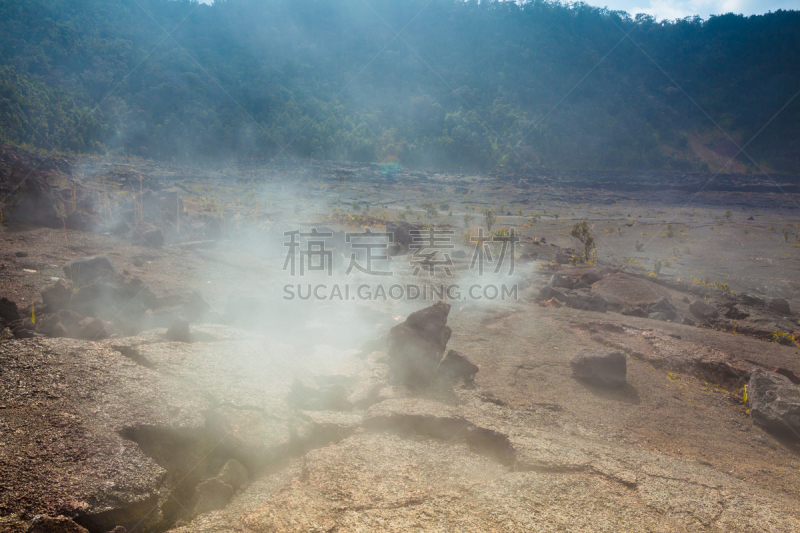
(422, 464)
(212, 494)
(87, 269)
(74, 460)
(702, 310)
(774, 403)
(602, 367)
(779, 305)
(57, 296)
(455, 365)
(8, 311)
(57, 524)
(415, 347)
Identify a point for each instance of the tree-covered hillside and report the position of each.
(444, 82)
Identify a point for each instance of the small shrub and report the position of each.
(639, 246)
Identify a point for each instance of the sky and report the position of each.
(672, 9)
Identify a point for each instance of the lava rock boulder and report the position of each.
(416, 346)
(604, 367)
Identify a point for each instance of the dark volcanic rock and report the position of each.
(662, 305)
(402, 231)
(702, 310)
(601, 366)
(154, 238)
(779, 305)
(547, 292)
(774, 403)
(587, 301)
(634, 311)
(8, 311)
(179, 331)
(93, 329)
(456, 366)
(87, 269)
(107, 298)
(57, 296)
(79, 221)
(415, 347)
(562, 281)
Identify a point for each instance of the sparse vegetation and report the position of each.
(581, 232)
(489, 218)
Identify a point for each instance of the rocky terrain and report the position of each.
(156, 377)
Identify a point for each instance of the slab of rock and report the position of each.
(604, 367)
(77, 399)
(774, 403)
(416, 346)
(702, 310)
(87, 269)
(455, 365)
(779, 305)
(179, 331)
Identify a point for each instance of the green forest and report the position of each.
(448, 83)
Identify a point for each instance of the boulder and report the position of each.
(659, 315)
(562, 281)
(415, 347)
(79, 221)
(179, 331)
(774, 403)
(662, 305)
(55, 524)
(402, 231)
(779, 305)
(634, 311)
(587, 301)
(591, 277)
(8, 311)
(547, 293)
(93, 329)
(87, 269)
(57, 296)
(455, 365)
(154, 238)
(702, 310)
(604, 367)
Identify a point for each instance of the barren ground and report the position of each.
(139, 431)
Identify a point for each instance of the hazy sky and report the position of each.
(672, 9)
